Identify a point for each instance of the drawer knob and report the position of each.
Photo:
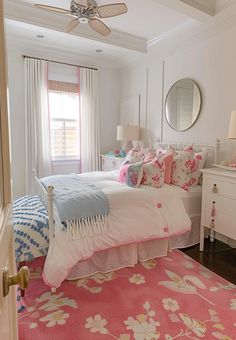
(214, 189)
(213, 209)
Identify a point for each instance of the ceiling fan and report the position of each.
(89, 13)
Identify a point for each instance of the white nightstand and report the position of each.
(218, 203)
(111, 162)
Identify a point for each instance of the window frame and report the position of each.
(62, 159)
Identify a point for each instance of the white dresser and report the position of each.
(218, 203)
(111, 162)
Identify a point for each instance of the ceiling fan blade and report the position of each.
(99, 27)
(78, 3)
(53, 9)
(71, 25)
(112, 10)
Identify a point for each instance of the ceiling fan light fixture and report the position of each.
(83, 20)
(88, 12)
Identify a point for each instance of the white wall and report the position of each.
(208, 58)
(109, 105)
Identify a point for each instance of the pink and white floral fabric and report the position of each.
(149, 155)
(135, 155)
(153, 172)
(198, 162)
(131, 174)
(168, 162)
(167, 298)
(181, 169)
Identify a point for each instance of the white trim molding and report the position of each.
(200, 10)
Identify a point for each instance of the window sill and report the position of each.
(66, 162)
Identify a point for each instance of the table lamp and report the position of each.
(232, 125)
(127, 134)
(231, 135)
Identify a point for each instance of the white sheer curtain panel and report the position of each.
(38, 150)
(89, 120)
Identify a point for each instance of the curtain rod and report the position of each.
(60, 62)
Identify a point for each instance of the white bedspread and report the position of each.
(136, 215)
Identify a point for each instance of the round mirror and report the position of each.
(183, 104)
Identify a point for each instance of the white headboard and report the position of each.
(213, 151)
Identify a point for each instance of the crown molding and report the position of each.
(187, 36)
(193, 30)
(200, 10)
(180, 29)
(28, 13)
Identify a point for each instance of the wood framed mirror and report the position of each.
(183, 104)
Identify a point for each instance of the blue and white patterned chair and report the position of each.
(30, 222)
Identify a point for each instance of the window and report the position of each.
(64, 125)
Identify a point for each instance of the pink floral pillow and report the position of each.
(149, 156)
(199, 159)
(135, 155)
(153, 172)
(131, 174)
(160, 151)
(189, 147)
(171, 149)
(197, 164)
(168, 161)
(181, 169)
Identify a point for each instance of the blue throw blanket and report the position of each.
(83, 206)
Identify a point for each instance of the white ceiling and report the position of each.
(145, 23)
(25, 36)
(145, 18)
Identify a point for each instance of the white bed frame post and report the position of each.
(50, 212)
(51, 222)
(35, 181)
(46, 197)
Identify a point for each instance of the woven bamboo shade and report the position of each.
(61, 86)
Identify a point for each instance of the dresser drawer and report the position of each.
(222, 203)
(224, 224)
(224, 217)
(222, 188)
(218, 204)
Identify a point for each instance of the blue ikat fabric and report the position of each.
(30, 222)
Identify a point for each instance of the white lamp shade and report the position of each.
(127, 132)
(232, 125)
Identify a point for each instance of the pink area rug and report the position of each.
(167, 298)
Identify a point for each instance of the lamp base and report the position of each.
(127, 146)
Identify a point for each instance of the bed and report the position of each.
(129, 242)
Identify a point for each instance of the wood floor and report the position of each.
(218, 257)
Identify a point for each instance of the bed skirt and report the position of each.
(120, 257)
(190, 238)
(128, 255)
